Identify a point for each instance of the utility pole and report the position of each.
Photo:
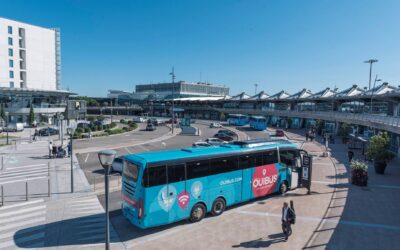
(255, 88)
(370, 61)
(173, 92)
(372, 92)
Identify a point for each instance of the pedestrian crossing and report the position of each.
(22, 225)
(86, 222)
(22, 173)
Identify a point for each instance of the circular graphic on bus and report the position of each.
(264, 180)
(183, 199)
(197, 188)
(164, 199)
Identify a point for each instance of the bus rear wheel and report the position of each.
(198, 212)
(218, 207)
(283, 188)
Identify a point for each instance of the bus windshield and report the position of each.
(131, 171)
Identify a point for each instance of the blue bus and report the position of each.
(258, 122)
(163, 187)
(237, 119)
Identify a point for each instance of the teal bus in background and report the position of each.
(237, 119)
(163, 187)
(258, 123)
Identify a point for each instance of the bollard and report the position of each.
(48, 187)
(2, 196)
(48, 169)
(26, 190)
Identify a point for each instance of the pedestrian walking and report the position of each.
(69, 149)
(307, 135)
(35, 134)
(50, 149)
(288, 218)
(350, 154)
(55, 149)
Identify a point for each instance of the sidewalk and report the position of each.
(358, 217)
(61, 220)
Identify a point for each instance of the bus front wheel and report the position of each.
(283, 188)
(218, 207)
(198, 212)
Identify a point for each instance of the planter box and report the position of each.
(359, 177)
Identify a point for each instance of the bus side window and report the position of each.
(223, 165)
(287, 156)
(197, 169)
(246, 161)
(257, 159)
(271, 157)
(176, 173)
(155, 176)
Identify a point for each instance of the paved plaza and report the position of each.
(336, 215)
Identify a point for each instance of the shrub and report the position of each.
(133, 125)
(100, 117)
(113, 124)
(79, 130)
(123, 121)
(359, 173)
(378, 148)
(87, 130)
(358, 166)
(91, 118)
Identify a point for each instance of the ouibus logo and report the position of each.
(264, 180)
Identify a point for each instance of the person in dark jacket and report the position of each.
(288, 217)
(350, 154)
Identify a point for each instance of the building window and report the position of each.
(10, 41)
(11, 74)
(9, 30)
(11, 63)
(11, 84)
(10, 52)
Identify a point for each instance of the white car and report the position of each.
(201, 144)
(215, 141)
(117, 165)
(215, 125)
(139, 119)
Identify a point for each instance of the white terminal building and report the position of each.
(30, 72)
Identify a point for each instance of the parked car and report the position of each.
(223, 136)
(47, 131)
(227, 132)
(201, 144)
(14, 127)
(279, 133)
(152, 121)
(150, 127)
(117, 164)
(85, 124)
(215, 125)
(215, 141)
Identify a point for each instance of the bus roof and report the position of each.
(240, 146)
(236, 115)
(257, 117)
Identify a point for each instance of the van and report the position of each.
(14, 127)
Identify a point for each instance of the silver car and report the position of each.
(201, 144)
(215, 141)
(117, 165)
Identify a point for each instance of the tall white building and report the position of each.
(29, 56)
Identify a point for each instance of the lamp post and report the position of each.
(370, 61)
(372, 92)
(61, 128)
(6, 113)
(70, 132)
(173, 109)
(106, 158)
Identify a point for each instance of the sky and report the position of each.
(287, 45)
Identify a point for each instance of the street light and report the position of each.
(61, 130)
(106, 158)
(6, 114)
(372, 92)
(70, 132)
(173, 109)
(370, 61)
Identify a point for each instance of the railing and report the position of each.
(111, 177)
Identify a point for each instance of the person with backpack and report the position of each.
(288, 218)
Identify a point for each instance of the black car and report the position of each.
(226, 132)
(223, 137)
(150, 127)
(48, 131)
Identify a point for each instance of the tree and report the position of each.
(31, 116)
(2, 113)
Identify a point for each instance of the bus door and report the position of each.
(291, 159)
(246, 164)
(177, 192)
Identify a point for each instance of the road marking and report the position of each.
(26, 166)
(336, 221)
(127, 150)
(384, 186)
(87, 157)
(20, 204)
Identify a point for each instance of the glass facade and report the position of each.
(11, 74)
(11, 63)
(10, 52)
(10, 41)
(10, 30)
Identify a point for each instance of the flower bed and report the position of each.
(359, 173)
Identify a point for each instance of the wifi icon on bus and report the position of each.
(183, 199)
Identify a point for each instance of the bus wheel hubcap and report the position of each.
(198, 212)
(218, 207)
